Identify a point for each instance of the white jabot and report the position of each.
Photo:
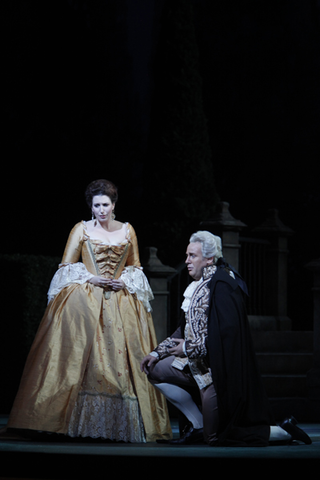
(188, 293)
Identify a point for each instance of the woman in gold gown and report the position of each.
(82, 377)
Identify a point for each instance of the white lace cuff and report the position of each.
(154, 354)
(66, 275)
(137, 283)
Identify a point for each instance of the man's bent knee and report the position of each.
(157, 372)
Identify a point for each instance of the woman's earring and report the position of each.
(113, 215)
(92, 216)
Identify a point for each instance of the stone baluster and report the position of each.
(224, 225)
(158, 274)
(276, 267)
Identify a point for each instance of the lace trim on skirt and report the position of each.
(102, 416)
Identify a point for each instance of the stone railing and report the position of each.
(260, 258)
(314, 373)
(262, 261)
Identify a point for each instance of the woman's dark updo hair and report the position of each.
(101, 187)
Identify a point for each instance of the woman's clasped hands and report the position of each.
(110, 283)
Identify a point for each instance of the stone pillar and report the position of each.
(276, 266)
(314, 373)
(224, 225)
(158, 274)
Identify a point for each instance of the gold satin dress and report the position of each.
(82, 376)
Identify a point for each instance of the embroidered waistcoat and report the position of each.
(195, 333)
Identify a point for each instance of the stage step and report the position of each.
(284, 358)
(283, 341)
(285, 385)
(285, 362)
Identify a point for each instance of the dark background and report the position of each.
(84, 95)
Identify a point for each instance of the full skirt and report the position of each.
(82, 376)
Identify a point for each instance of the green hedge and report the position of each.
(25, 281)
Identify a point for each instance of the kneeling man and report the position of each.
(212, 352)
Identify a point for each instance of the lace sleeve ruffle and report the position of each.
(137, 283)
(66, 275)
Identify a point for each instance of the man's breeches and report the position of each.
(163, 373)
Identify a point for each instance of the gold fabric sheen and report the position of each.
(82, 376)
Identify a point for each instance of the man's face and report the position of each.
(195, 261)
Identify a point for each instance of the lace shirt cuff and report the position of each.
(137, 283)
(66, 275)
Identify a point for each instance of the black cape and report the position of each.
(245, 414)
(221, 263)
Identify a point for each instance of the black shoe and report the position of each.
(290, 426)
(190, 436)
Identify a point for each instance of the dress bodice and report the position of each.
(99, 257)
(110, 259)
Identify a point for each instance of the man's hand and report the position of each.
(147, 362)
(177, 351)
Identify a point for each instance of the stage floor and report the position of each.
(37, 459)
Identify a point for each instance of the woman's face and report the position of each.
(102, 207)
